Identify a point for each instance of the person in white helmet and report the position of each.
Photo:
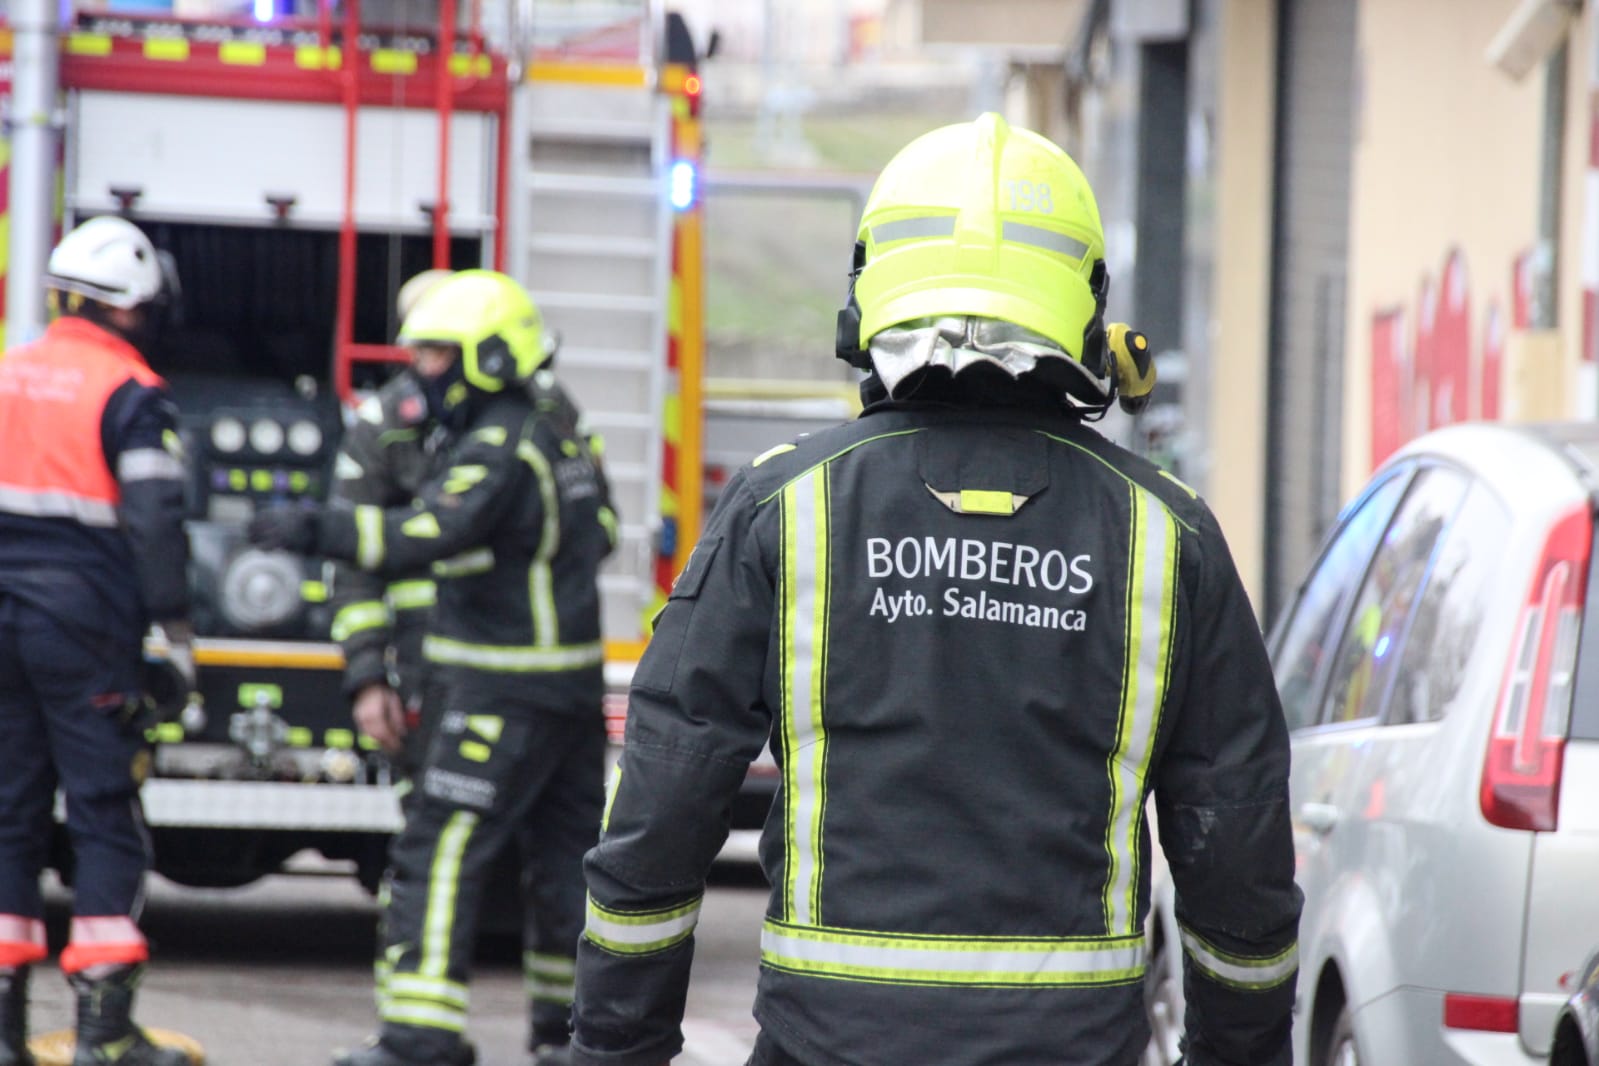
(92, 550)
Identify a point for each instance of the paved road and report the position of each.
(278, 974)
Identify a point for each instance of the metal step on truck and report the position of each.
(300, 159)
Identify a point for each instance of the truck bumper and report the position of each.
(271, 805)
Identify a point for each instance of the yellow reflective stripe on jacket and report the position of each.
(423, 1013)
(512, 659)
(884, 958)
(476, 561)
(411, 595)
(355, 617)
(424, 526)
(640, 932)
(493, 435)
(803, 596)
(540, 584)
(461, 478)
(444, 883)
(1252, 973)
(415, 986)
(548, 978)
(1146, 666)
(368, 536)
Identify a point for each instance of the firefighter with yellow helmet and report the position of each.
(978, 636)
(513, 530)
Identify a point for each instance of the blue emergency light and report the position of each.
(685, 186)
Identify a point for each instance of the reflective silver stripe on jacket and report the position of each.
(410, 595)
(443, 887)
(476, 561)
(1151, 604)
(426, 1013)
(513, 659)
(540, 584)
(355, 617)
(1240, 971)
(148, 464)
(922, 960)
(643, 932)
(548, 978)
(415, 986)
(368, 536)
(36, 504)
(803, 598)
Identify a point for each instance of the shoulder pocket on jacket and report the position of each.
(659, 665)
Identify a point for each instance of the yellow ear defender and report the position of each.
(1135, 367)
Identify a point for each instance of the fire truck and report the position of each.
(300, 159)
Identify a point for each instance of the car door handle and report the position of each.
(1318, 817)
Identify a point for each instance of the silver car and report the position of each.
(1443, 699)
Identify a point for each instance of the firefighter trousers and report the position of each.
(492, 772)
(64, 695)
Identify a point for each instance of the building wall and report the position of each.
(1444, 220)
(1244, 145)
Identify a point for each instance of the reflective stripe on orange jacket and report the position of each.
(53, 394)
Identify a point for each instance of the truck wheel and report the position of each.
(1341, 1049)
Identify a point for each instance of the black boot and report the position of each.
(552, 1055)
(14, 1017)
(409, 1046)
(106, 1033)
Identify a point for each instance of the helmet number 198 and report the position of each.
(1030, 196)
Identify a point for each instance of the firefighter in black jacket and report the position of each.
(513, 530)
(978, 636)
(92, 550)
(393, 448)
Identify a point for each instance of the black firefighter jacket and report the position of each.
(513, 528)
(388, 454)
(977, 640)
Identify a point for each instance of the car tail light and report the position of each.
(1489, 1014)
(1521, 774)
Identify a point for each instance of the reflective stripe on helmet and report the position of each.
(1039, 237)
(906, 228)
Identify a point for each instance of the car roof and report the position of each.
(1508, 455)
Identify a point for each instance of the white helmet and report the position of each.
(418, 286)
(108, 260)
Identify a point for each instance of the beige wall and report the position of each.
(1236, 470)
(1446, 163)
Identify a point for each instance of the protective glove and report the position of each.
(1135, 366)
(287, 528)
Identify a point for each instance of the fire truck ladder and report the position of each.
(595, 250)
